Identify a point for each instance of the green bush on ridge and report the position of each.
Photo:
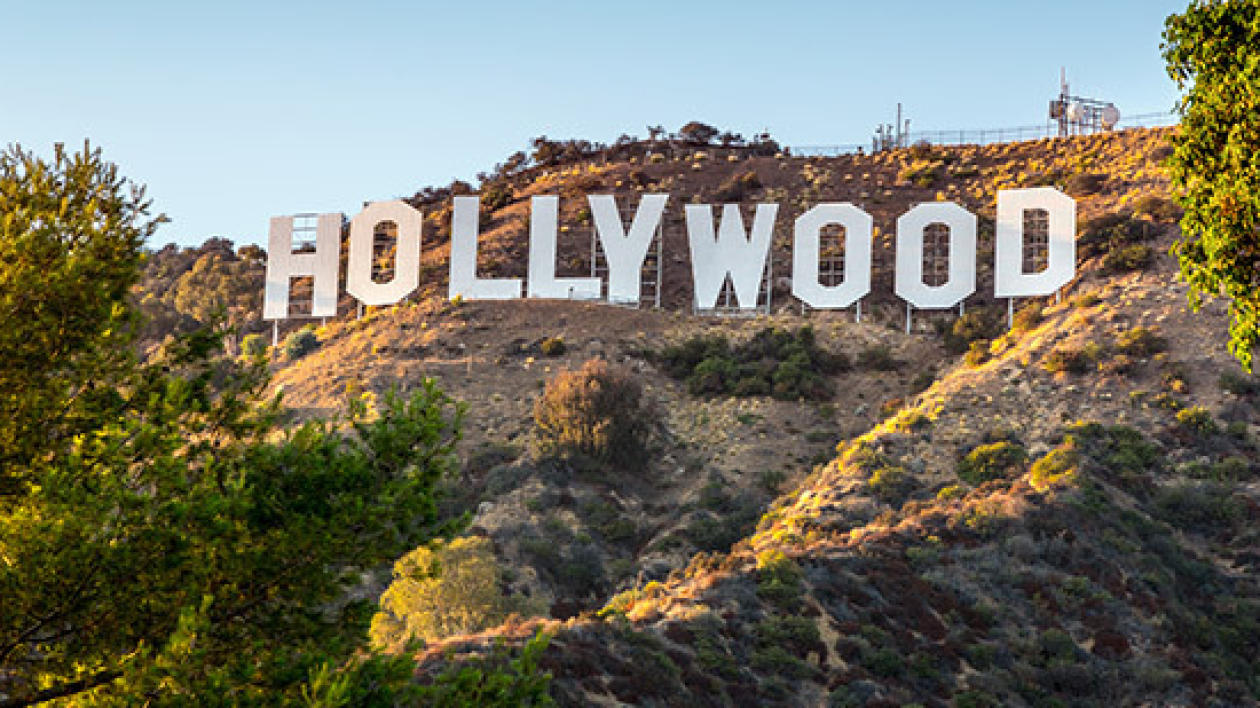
(775, 362)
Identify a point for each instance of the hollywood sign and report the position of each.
(719, 252)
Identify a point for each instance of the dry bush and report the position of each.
(737, 187)
(595, 413)
(1084, 183)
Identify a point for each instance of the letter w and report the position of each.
(731, 253)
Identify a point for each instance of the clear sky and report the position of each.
(232, 112)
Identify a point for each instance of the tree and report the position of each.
(184, 288)
(162, 538)
(698, 133)
(70, 238)
(1213, 53)
(444, 589)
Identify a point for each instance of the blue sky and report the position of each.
(234, 111)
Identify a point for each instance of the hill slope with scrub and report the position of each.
(831, 512)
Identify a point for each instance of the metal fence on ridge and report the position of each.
(981, 136)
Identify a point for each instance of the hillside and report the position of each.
(1063, 516)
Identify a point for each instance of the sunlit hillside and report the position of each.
(1062, 511)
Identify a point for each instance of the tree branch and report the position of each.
(65, 689)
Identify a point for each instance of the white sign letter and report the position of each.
(407, 223)
(733, 252)
(464, 281)
(320, 264)
(962, 255)
(807, 235)
(1009, 278)
(625, 252)
(543, 283)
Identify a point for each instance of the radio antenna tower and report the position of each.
(1081, 116)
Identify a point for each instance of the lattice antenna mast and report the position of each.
(1077, 115)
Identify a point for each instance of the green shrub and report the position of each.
(1116, 451)
(733, 518)
(717, 375)
(1060, 466)
(1111, 232)
(1140, 342)
(878, 358)
(885, 662)
(779, 579)
(786, 365)
(795, 633)
(1121, 364)
(977, 354)
(498, 680)
(1067, 359)
(1198, 420)
(253, 345)
(608, 521)
(922, 381)
(1240, 384)
(892, 484)
(772, 480)
(1204, 504)
(978, 324)
(552, 346)
(1027, 317)
(496, 196)
(1175, 376)
(595, 412)
(300, 343)
(981, 656)
(1232, 469)
(581, 572)
(1158, 208)
(443, 589)
(922, 174)
(1229, 469)
(913, 420)
(1125, 259)
(777, 661)
(1055, 644)
(992, 461)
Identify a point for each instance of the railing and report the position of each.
(982, 136)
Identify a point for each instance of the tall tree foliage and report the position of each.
(70, 237)
(162, 539)
(1213, 53)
